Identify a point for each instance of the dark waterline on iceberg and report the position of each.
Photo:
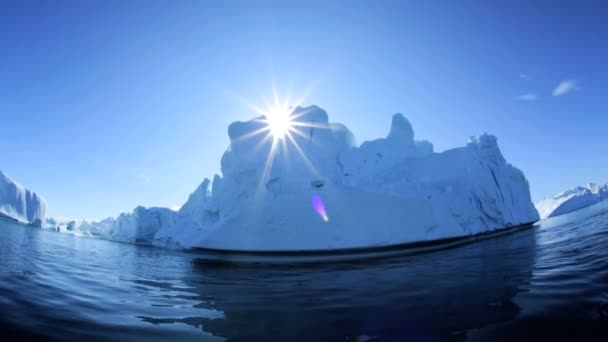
(550, 281)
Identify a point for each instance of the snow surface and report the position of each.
(572, 199)
(19, 203)
(318, 190)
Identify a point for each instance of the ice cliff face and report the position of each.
(572, 199)
(317, 190)
(19, 203)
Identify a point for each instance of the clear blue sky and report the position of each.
(105, 105)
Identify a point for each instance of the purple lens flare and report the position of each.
(319, 207)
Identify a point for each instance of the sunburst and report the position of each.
(283, 127)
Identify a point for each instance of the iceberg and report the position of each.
(315, 189)
(138, 227)
(20, 204)
(572, 199)
(77, 227)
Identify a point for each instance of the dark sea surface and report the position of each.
(547, 282)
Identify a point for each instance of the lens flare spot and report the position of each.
(319, 207)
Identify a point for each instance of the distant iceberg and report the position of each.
(573, 199)
(316, 189)
(20, 204)
(138, 227)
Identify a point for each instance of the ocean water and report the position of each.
(550, 281)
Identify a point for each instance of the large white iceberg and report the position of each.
(315, 189)
(572, 199)
(20, 204)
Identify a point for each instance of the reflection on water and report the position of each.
(64, 287)
(417, 297)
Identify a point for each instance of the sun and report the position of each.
(279, 121)
(282, 125)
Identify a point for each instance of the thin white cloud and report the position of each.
(565, 87)
(145, 174)
(524, 76)
(528, 97)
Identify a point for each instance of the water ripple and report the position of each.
(60, 286)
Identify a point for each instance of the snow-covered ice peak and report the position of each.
(401, 130)
(309, 149)
(487, 145)
(598, 189)
(572, 199)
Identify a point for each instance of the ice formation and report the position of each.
(315, 189)
(138, 227)
(573, 199)
(384, 192)
(20, 204)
